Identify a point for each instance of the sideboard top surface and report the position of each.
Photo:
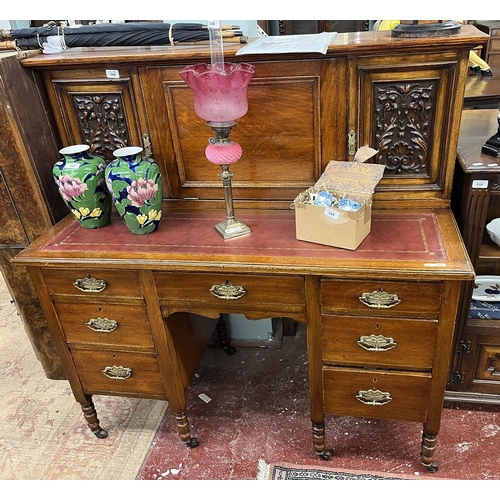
(344, 44)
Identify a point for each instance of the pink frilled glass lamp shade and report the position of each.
(220, 98)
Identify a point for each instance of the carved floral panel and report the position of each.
(403, 125)
(102, 121)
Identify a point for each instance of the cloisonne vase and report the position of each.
(80, 179)
(135, 185)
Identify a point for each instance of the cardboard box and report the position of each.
(331, 225)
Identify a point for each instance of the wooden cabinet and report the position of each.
(29, 197)
(370, 333)
(401, 96)
(379, 357)
(491, 53)
(413, 89)
(475, 363)
(91, 108)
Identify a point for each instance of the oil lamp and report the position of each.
(220, 98)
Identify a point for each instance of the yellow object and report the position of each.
(475, 60)
(387, 25)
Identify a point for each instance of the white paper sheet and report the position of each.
(289, 43)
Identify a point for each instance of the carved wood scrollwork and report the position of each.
(404, 113)
(496, 183)
(102, 121)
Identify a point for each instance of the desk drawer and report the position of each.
(136, 373)
(394, 298)
(379, 342)
(231, 291)
(102, 323)
(94, 282)
(409, 393)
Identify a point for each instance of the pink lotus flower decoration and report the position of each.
(71, 186)
(141, 190)
(219, 96)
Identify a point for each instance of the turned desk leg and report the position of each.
(319, 441)
(427, 453)
(90, 415)
(184, 432)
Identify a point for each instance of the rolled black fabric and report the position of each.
(109, 34)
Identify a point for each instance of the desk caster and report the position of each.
(229, 350)
(192, 443)
(433, 467)
(101, 433)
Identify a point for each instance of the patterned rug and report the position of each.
(290, 472)
(43, 434)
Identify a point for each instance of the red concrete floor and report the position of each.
(259, 409)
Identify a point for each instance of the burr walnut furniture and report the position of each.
(379, 320)
(29, 199)
(475, 369)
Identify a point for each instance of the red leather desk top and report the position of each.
(412, 236)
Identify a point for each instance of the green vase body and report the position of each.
(135, 185)
(80, 179)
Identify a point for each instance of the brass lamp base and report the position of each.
(231, 228)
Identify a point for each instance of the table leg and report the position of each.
(427, 453)
(90, 415)
(223, 337)
(319, 441)
(183, 430)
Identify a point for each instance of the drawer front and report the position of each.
(409, 393)
(389, 298)
(136, 373)
(379, 342)
(233, 292)
(101, 323)
(92, 282)
(488, 363)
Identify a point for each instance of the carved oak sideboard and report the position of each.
(379, 320)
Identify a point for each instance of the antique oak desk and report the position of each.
(379, 320)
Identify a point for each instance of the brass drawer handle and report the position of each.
(379, 299)
(117, 372)
(374, 398)
(104, 325)
(377, 343)
(89, 284)
(227, 291)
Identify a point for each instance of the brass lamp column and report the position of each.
(224, 152)
(220, 98)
